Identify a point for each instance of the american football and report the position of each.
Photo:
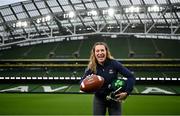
(91, 83)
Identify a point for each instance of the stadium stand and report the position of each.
(169, 49)
(66, 49)
(120, 47)
(142, 48)
(123, 47)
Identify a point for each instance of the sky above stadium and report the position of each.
(6, 2)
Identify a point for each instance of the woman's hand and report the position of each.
(121, 96)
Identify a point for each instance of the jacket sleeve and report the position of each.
(86, 73)
(128, 74)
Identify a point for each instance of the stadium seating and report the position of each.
(80, 49)
(168, 47)
(119, 47)
(66, 49)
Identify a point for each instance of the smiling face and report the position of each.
(100, 53)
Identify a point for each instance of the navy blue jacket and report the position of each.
(109, 71)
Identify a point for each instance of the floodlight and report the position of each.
(154, 8)
(92, 13)
(88, 28)
(48, 18)
(24, 24)
(111, 12)
(132, 9)
(38, 20)
(21, 24)
(18, 24)
(71, 14)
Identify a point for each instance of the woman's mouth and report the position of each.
(101, 56)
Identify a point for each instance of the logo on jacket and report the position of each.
(111, 71)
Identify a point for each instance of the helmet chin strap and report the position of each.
(111, 96)
(115, 87)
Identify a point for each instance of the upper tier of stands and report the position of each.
(121, 48)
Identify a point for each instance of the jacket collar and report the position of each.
(104, 64)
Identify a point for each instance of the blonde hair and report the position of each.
(93, 61)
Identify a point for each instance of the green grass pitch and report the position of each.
(81, 104)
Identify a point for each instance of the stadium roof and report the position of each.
(7, 2)
(46, 19)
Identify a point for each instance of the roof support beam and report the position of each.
(113, 16)
(6, 28)
(63, 12)
(86, 9)
(80, 18)
(153, 25)
(93, 28)
(122, 11)
(16, 17)
(175, 30)
(125, 28)
(99, 29)
(41, 14)
(98, 8)
(146, 22)
(30, 18)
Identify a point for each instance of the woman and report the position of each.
(103, 64)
